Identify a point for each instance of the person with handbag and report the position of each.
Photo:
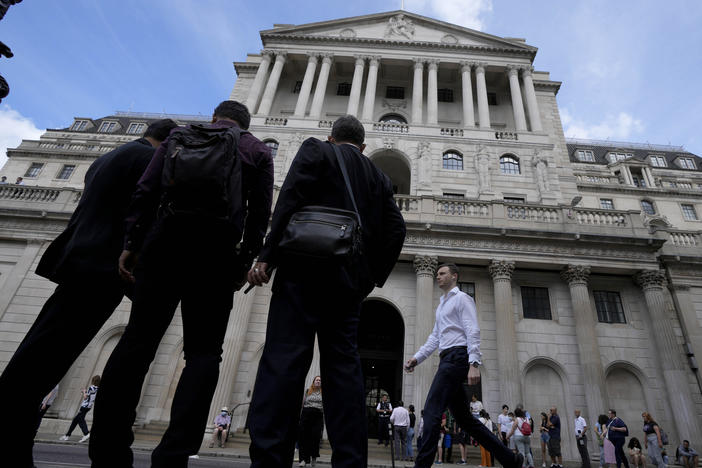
(617, 432)
(336, 233)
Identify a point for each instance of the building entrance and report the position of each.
(381, 339)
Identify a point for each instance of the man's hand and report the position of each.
(410, 365)
(473, 376)
(127, 260)
(257, 275)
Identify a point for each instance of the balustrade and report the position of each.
(684, 239)
(390, 127)
(506, 136)
(600, 217)
(30, 194)
(407, 203)
(533, 213)
(276, 121)
(462, 208)
(454, 132)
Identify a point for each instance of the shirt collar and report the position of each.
(449, 294)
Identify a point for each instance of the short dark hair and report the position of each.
(348, 129)
(518, 412)
(505, 406)
(160, 129)
(234, 110)
(95, 380)
(452, 268)
(411, 408)
(602, 419)
(400, 403)
(688, 442)
(612, 411)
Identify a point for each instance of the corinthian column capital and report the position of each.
(466, 65)
(501, 269)
(575, 274)
(512, 70)
(650, 279)
(425, 265)
(527, 70)
(419, 62)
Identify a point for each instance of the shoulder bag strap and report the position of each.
(342, 165)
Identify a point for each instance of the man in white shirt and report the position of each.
(400, 421)
(505, 423)
(581, 438)
(456, 334)
(383, 410)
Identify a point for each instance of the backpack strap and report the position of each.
(342, 165)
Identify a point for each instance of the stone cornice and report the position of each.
(640, 192)
(541, 85)
(403, 44)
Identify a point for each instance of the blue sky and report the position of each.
(630, 69)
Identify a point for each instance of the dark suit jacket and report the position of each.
(92, 242)
(315, 178)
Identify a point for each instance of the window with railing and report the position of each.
(66, 172)
(452, 160)
(609, 307)
(606, 204)
(536, 303)
(509, 164)
(393, 118)
(34, 170)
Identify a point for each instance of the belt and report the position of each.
(453, 348)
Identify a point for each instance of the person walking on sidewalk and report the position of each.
(581, 439)
(456, 334)
(79, 419)
(400, 420)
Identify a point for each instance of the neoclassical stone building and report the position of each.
(584, 257)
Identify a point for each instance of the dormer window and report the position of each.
(136, 128)
(614, 157)
(79, 125)
(657, 161)
(585, 155)
(107, 127)
(687, 163)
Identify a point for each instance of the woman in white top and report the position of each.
(476, 406)
(521, 440)
(311, 423)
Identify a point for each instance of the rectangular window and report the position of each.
(687, 163)
(609, 307)
(79, 125)
(445, 95)
(606, 204)
(689, 212)
(395, 92)
(343, 89)
(658, 161)
(492, 99)
(535, 303)
(639, 181)
(586, 155)
(614, 157)
(136, 128)
(516, 200)
(297, 87)
(66, 171)
(34, 170)
(107, 127)
(453, 195)
(468, 288)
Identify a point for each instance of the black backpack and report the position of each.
(202, 174)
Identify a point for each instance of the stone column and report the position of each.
(507, 363)
(369, 98)
(532, 105)
(594, 377)
(417, 91)
(670, 359)
(232, 348)
(517, 104)
(481, 90)
(467, 88)
(321, 89)
(626, 172)
(257, 85)
(306, 87)
(272, 85)
(432, 93)
(648, 175)
(356, 84)
(425, 267)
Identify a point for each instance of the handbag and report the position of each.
(324, 232)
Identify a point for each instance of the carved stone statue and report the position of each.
(541, 166)
(482, 167)
(400, 26)
(424, 164)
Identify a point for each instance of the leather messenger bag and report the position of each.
(324, 232)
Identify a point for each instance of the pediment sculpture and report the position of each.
(399, 25)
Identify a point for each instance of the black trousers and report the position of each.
(183, 264)
(79, 420)
(68, 321)
(311, 427)
(447, 391)
(619, 452)
(582, 448)
(302, 306)
(384, 429)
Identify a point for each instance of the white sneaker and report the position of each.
(302, 463)
(84, 438)
(194, 456)
(64, 437)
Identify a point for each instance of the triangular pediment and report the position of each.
(396, 26)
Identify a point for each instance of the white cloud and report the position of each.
(14, 127)
(616, 127)
(467, 13)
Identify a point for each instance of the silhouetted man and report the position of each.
(83, 261)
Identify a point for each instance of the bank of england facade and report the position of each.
(584, 257)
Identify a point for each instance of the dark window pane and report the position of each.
(395, 92)
(609, 307)
(453, 161)
(468, 288)
(343, 89)
(492, 99)
(297, 87)
(445, 95)
(535, 303)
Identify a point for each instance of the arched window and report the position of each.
(509, 164)
(648, 207)
(453, 160)
(393, 118)
(273, 145)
